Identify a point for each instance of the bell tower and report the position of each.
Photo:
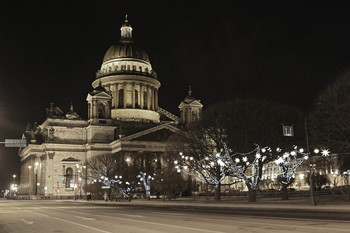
(190, 108)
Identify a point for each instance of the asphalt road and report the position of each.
(62, 216)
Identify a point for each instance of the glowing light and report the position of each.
(237, 160)
(221, 163)
(316, 151)
(325, 152)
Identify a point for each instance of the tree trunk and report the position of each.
(284, 191)
(207, 190)
(252, 195)
(218, 192)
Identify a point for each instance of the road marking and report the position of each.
(45, 215)
(27, 222)
(85, 218)
(74, 223)
(133, 215)
(82, 225)
(162, 224)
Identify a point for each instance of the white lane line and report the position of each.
(256, 216)
(133, 215)
(44, 215)
(239, 221)
(74, 223)
(85, 218)
(27, 222)
(161, 224)
(82, 225)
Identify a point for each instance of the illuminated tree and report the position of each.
(210, 170)
(288, 163)
(109, 169)
(247, 166)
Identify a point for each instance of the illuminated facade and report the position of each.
(123, 116)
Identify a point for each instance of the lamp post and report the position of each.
(347, 181)
(85, 180)
(14, 179)
(36, 178)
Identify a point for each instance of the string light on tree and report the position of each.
(211, 169)
(146, 179)
(239, 163)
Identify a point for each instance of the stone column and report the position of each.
(148, 98)
(133, 95)
(152, 98)
(116, 96)
(112, 91)
(94, 109)
(141, 96)
(124, 93)
(156, 98)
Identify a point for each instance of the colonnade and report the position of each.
(133, 95)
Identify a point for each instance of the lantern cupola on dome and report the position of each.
(126, 73)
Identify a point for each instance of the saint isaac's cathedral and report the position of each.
(123, 116)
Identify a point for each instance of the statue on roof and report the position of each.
(54, 112)
(71, 114)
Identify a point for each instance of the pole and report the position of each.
(36, 182)
(312, 194)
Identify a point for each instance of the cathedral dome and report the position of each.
(125, 49)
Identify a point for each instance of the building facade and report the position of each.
(123, 116)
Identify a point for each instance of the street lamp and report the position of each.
(14, 179)
(347, 181)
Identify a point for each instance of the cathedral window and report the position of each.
(136, 99)
(121, 98)
(101, 111)
(69, 177)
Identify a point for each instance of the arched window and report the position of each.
(101, 111)
(136, 99)
(121, 98)
(69, 177)
(145, 100)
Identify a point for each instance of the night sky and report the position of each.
(285, 51)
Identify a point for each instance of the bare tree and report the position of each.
(109, 169)
(329, 120)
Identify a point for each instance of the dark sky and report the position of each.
(285, 51)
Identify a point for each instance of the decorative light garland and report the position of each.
(204, 169)
(289, 162)
(146, 179)
(239, 163)
(117, 182)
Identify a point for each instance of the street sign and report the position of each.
(15, 143)
(288, 131)
(106, 187)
